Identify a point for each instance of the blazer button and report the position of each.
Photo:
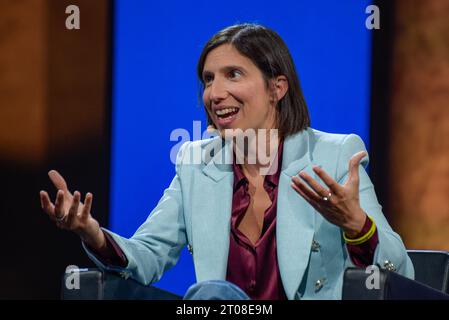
(315, 246)
(389, 265)
(319, 284)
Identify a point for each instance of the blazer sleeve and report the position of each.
(390, 250)
(156, 245)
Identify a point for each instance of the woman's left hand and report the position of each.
(339, 204)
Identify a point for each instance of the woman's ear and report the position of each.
(279, 87)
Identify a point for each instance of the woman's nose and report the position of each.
(217, 91)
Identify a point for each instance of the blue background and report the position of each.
(155, 90)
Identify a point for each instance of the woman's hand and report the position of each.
(339, 204)
(70, 213)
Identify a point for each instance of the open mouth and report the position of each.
(226, 113)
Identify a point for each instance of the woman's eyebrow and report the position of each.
(206, 73)
(232, 67)
(224, 69)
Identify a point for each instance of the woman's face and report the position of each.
(235, 92)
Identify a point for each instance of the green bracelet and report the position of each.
(363, 238)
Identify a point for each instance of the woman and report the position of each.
(282, 229)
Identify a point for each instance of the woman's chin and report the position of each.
(227, 133)
(238, 133)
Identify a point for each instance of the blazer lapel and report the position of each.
(211, 214)
(295, 217)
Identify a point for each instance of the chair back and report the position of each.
(431, 268)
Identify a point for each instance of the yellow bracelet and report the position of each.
(363, 238)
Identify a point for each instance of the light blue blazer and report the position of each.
(195, 210)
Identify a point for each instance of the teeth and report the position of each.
(225, 111)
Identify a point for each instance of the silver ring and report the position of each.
(60, 219)
(327, 198)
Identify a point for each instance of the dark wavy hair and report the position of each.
(266, 49)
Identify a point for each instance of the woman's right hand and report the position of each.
(70, 213)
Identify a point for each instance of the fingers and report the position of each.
(58, 181)
(73, 211)
(87, 205)
(298, 190)
(354, 166)
(57, 212)
(59, 205)
(333, 185)
(309, 194)
(320, 191)
(46, 204)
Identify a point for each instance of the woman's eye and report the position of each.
(235, 73)
(207, 79)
